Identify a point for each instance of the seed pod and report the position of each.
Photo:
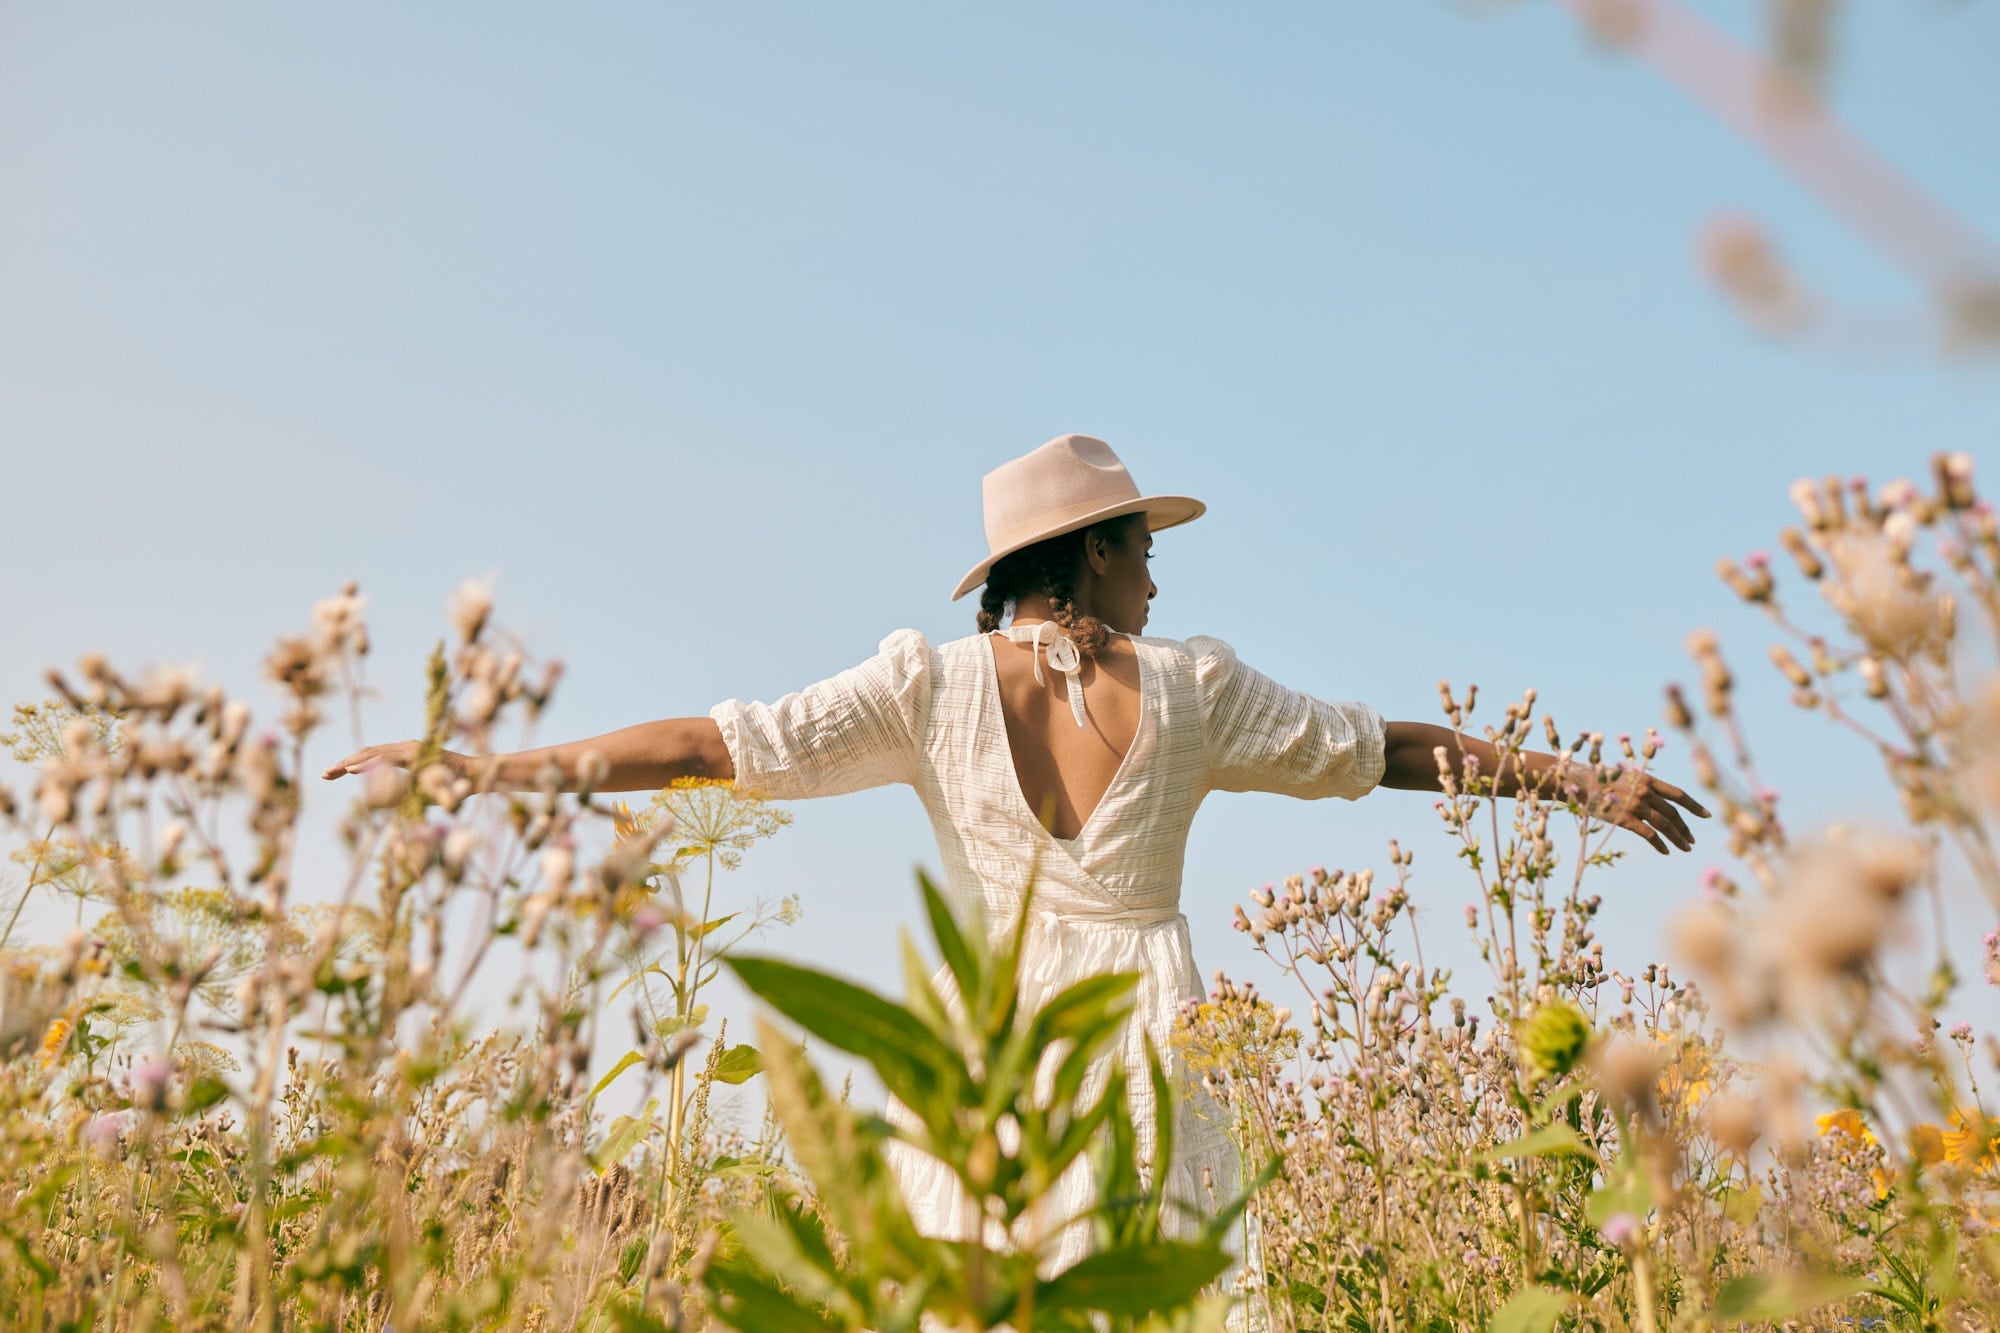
(1678, 716)
(558, 864)
(1954, 480)
(1782, 658)
(1806, 496)
(1873, 677)
(533, 913)
(1738, 582)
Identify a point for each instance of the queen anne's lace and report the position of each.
(1107, 900)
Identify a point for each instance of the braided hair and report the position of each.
(1051, 568)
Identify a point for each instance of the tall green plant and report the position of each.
(964, 1070)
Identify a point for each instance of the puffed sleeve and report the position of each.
(1264, 737)
(861, 728)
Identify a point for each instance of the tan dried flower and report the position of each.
(1732, 1121)
(471, 604)
(1839, 901)
(1881, 600)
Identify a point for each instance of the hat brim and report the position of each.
(1162, 511)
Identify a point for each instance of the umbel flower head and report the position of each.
(1555, 1039)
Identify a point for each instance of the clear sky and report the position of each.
(698, 325)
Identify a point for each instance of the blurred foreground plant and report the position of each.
(251, 1094)
(968, 1072)
(1587, 1153)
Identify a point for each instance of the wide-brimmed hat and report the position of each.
(1071, 482)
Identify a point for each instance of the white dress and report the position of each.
(1107, 900)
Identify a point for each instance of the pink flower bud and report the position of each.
(103, 1133)
(1621, 1229)
(151, 1076)
(647, 919)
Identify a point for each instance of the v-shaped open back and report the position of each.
(1068, 782)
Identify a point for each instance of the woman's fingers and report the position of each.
(1650, 818)
(1673, 793)
(349, 764)
(1631, 820)
(1658, 818)
(1668, 820)
(400, 754)
(1640, 802)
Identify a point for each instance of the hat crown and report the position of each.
(1069, 483)
(1070, 476)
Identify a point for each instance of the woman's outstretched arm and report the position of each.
(1638, 801)
(645, 757)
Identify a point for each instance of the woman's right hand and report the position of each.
(398, 754)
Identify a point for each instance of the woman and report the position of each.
(1070, 743)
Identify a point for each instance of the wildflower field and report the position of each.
(245, 1092)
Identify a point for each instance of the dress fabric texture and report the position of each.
(1108, 900)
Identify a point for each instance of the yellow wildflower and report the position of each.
(53, 1040)
(1845, 1121)
(1689, 1080)
(1927, 1144)
(1848, 1123)
(1971, 1141)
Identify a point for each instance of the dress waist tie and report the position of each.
(1000, 915)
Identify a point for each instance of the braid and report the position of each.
(1049, 567)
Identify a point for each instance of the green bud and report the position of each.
(1554, 1039)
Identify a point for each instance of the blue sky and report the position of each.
(698, 325)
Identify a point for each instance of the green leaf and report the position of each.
(1741, 1206)
(906, 1055)
(1771, 1297)
(920, 997)
(705, 928)
(1629, 1192)
(623, 1135)
(1532, 1310)
(1089, 1008)
(673, 1023)
(749, 1300)
(625, 1062)
(630, 1319)
(1164, 1104)
(203, 1093)
(738, 1064)
(796, 1252)
(654, 968)
(951, 941)
(1134, 1280)
(1557, 1140)
(844, 1167)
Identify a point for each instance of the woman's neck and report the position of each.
(1037, 606)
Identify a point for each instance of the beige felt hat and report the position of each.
(1071, 482)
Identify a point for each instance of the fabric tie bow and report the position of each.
(1062, 655)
